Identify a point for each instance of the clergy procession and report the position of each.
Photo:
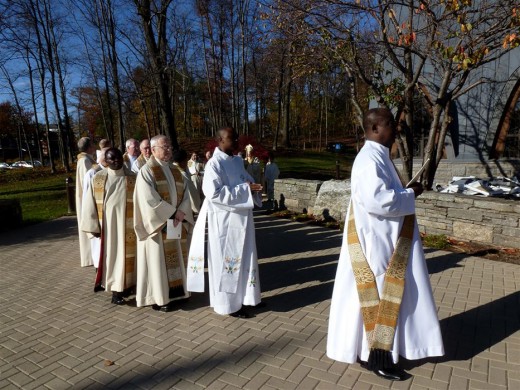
(144, 218)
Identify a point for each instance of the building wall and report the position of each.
(480, 169)
(479, 111)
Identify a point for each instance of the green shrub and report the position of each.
(436, 241)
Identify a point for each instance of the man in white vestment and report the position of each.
(196, 168)
(232, 259)
(382, 305)
(180, 161)
(160, 195)
(108, 215)
(132, 152)
(252, 165)
(102, 144)
(95, 242)
(271, 174)
(146, 152)
(85, 161)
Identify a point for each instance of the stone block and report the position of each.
(429, 195)
(435, 211)
(334, 196)
(472, 231)
(506, 241)
(427, 223)
(428, 205)
(469, 215)
(494, 204)
(512, 232)
(498, 219)
(462, 199)
(452, 204)
(292, 204)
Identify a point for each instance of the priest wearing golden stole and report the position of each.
(108, 214)
(382, 304)
(160, 195)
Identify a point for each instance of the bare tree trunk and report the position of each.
(33, 101)
(286, 141)
(41, 70)
(244, 6)
(279, 103)
(68, 138)
(49, 52)
(156, 44)
(211, 68)
(21, 125)
(107, 13)
(235, 115)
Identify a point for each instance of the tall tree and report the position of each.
(154, 17)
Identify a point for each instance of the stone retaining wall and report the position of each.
(298, 194)
(473, 218)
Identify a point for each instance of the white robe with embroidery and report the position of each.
(151, 213)
(229, 204)
(380, 203)
(114, 221)
(83, 165)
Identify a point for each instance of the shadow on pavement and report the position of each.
(281, 237)
(56, 229)
(474, 331)
(471, 332)
(444, 262)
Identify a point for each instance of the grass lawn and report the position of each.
(314, 165)
(43, 196)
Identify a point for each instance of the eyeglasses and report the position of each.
(167, 148)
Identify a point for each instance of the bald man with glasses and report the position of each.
(160, 195)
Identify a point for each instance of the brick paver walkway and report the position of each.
(56, 333)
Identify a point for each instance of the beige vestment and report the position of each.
(84, 163)
(161, 273)
(118, 241)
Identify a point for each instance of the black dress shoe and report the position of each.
(98, 288)
(391, 375)
(116, 300)
(241, 314)
(163, 308)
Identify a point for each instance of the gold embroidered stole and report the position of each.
(141, 160)
(99, 183)
(380, 314)
(173, 264)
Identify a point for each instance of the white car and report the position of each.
(4, 165)
(21, 164)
